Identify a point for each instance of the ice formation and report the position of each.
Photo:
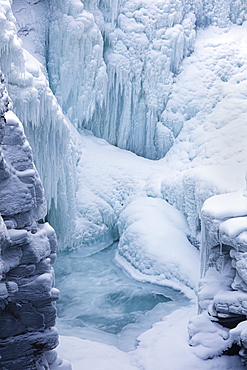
(119, 68)
(124, 73)
(28, 248)
(45, 125)
(128, 55)
(75, 62)
(221, 327)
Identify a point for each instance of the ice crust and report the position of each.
(158, 349)
(164, 250)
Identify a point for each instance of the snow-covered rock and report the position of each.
(28, 248)
(222, 289)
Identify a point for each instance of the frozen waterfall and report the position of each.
(117, 68)
(123, 70)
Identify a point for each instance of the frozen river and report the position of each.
(99, 301)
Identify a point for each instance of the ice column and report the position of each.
(144, 46)
(76, 68)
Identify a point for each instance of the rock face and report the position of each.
(221, 326)
(28, 248)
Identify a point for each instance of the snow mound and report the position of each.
(153, 240)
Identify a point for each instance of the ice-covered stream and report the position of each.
(99, 301)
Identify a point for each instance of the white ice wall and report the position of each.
(144, 44)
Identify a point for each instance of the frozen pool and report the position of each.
(99, 301)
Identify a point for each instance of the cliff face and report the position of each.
(28, 248)
(221, 326)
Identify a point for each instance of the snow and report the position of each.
(165, 346)
(153, 239)
(223, 206)
(234, 227)
(92, 355)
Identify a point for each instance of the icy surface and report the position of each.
(128, 55)
(76, 68)
(101, 302)
(143, 51)
(222, 288)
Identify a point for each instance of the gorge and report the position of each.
(136, 114)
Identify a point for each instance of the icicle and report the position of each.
(204, 251)
(220, 260)
(219, 236)
(245, 191)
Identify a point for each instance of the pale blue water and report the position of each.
(99, 301)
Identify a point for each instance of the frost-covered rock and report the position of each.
(222, 289)
(28, 248)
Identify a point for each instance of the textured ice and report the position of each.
(144, 47)
(151, 56)
(130, 51)
(75, 64)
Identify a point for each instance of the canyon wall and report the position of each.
(28, 249)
